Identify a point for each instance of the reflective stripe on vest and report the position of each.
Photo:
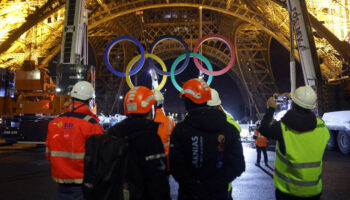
(87, 118)
(169, 133)
(166, 144)
(64, 180)
(298, 171)
(65, 154)
(297, 165)
(296, 182)
(155, 156)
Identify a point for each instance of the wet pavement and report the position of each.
(25, 175)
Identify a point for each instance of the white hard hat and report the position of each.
(215, 99)
(82, 90)
(159, 97)
(305, 97)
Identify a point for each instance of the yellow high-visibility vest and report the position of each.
(298, 172)
(230, 120)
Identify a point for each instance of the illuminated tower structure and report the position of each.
(251, 25)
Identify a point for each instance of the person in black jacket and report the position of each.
(147, 173)
(205, 151)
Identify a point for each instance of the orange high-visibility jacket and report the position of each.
(65, 143)
(165, 129)
(260, 141)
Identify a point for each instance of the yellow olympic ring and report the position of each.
(147, 55)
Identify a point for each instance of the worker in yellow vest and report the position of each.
(301, 141)
(166, 124)
(260, 144)
(216, 103)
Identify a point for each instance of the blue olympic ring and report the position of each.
(114, 42)
(187, 53)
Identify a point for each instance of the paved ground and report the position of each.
(25, 175)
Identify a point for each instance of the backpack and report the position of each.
(105, 166)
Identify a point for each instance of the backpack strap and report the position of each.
(80, 116)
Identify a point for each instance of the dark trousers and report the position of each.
(69, 192)
(283, 196)
(204, 192)
(258, 150)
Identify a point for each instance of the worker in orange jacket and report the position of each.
(166, 124)
(260, 143)
(65, 142)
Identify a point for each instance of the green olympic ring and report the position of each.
(179, 59)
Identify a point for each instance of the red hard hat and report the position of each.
(197, 90)
(139, 100)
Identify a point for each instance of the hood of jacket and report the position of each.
(300, 122)
(206, 119)
(132, 125)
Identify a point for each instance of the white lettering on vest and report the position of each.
(195, 150)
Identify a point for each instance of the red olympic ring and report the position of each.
(223, 39)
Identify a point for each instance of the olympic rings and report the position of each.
(111, 45)
(187, 52)
(180, 58)
(172, 72)
(227, 42)
(147, 55)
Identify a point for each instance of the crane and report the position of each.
(73, 64)
(337, 122)
(301, 27)
(36, 100)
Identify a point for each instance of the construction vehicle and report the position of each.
(338, 121)
(33, 100)
(28, 104)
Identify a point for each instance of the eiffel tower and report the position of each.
(33, 29)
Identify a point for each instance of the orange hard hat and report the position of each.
(139, 100)
(197, 90)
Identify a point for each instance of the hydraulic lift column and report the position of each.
(73, 65)
(306, 47)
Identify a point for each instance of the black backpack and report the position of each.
(105, 166)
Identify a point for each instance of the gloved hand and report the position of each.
(271, 103)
